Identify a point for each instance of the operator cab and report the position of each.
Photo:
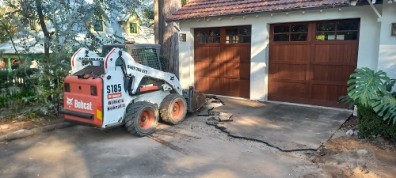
(145, 54)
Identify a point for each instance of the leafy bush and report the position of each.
(17, 87)
(370, 124)
(43, 85)
(17, 99)
(6, 77)
(371, 91)
(49, 86)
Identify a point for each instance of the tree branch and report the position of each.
(44, 28)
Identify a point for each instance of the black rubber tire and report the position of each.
(134, 115)
(167, 109)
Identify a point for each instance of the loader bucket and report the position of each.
(195, 100)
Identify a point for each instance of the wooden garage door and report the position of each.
(310, 62)
(222, 60)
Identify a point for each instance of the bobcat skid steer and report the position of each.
(125, 87)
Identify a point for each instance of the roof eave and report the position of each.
(176, 19)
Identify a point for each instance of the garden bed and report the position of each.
(8, 125)
(344, 156)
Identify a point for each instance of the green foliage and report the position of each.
(371, 91)
(148, 14)
(16, 93)
(49, 87)
(386, 108)
(69, 28)
(370, 124)
(367, 86)
(7, 25)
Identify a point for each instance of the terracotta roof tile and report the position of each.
(209, 8)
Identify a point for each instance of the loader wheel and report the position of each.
(141, 118)
(173, 109)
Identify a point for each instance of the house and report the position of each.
(122, 25)
(298, 51)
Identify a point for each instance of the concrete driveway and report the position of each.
(192, 149)
(283, 126)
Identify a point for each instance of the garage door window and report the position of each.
(340, 30)
(293, 32)
(208, 36)
(238, 35)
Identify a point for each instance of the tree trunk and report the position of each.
(166, 34)
(47, 35)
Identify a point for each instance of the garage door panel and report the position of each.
(203, 84)
(292, 90)
(288, 71)
(208, 85)
(214, 85)
(235, 87)
(244, 52)
(338, 73)
(207, 69)
(328, 92)
(207, 54)
(231, 87)
(335, 54)
(213, 70)
(200, 68)
(289, 52)
(231, 70)
(201, 54)
(230, 54)
(214, 54)
(244, 85)
(244, 71)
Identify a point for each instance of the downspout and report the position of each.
(372, 2)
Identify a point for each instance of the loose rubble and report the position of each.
(352, 132)
(214, 116)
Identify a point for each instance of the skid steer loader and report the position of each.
(125, 87)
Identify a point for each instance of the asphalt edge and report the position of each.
(29, 132)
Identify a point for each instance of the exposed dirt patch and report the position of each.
(20, 122)
(352, 157)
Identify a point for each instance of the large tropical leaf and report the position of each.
(367, 86)
(386, 108)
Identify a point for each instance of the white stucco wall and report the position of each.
(368, 40)
(387, 43)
